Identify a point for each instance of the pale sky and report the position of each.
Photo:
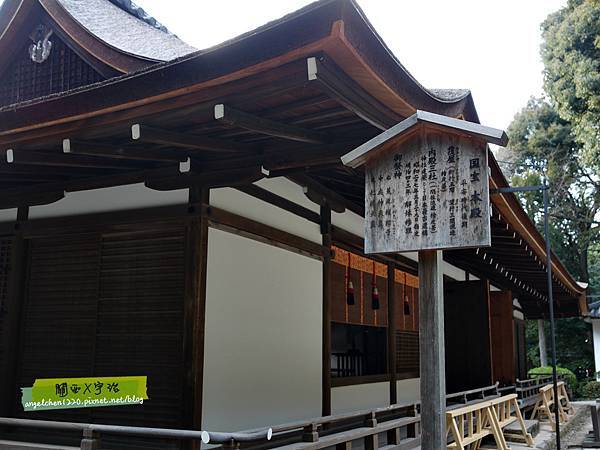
(488, 46)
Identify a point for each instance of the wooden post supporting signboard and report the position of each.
(427, 190)
(431, 344)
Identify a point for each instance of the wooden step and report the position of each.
(512, 432)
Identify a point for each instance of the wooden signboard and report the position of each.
(427, 189)
(429, 192)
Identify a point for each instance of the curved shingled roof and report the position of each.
(131, 31)
(332, 26)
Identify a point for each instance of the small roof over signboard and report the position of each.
(388, 138)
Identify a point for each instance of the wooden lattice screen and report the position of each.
(64, 70)
(407, 351)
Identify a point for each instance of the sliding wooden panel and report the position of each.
(520, 350)
(140, 322)
(503, 358)
(108, 304)
(467, 331)
(59, 317)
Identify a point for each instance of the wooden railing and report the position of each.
(528, 390)
(459, 399)
(397, 425)
(347, 364)
(91, 433)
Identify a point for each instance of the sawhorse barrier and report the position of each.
(469, 425)
(544, 408)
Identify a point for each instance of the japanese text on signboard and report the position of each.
(428, 194)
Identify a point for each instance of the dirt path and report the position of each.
(579, 429)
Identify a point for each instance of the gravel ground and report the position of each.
(580, 429)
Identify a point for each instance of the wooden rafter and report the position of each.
(347, 92)
(119, 152)
(67, 160)
(147, 134)
(224, 178)
(233, 117)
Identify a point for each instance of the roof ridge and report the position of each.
(139, 13)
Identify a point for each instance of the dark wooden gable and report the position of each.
(63, 70)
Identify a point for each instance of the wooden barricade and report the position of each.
(544, 408)
(468, 426)
(563, 398)
(508, 412)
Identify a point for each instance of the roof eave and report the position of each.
(336, 27)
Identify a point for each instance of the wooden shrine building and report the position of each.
(185, 215)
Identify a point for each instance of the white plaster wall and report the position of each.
(245, 205)
(409, 390)
(8, 215)
(596, 332)
(132, 196)
(359, 396)
(263, 335)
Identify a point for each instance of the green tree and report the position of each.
(558, 141)
(543, 148)
(542, 145)
(574, 349)
(571, 54)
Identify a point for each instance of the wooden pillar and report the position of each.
(431, 344)
(13, 311)
(195, 308)
(391, 338)
(542, 343)
(326, 347)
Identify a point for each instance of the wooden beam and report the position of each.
(348, 93)
(280, 202)
(143, 133)
(122, 179)
(241, 119)
(299, 156)
(224, 178)
(319, 194)
(116, 152)
(29, 199)
(26, 169)
(327, 311)
(67, 160)
(113, 220)
(243, 226)
(33, 194)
